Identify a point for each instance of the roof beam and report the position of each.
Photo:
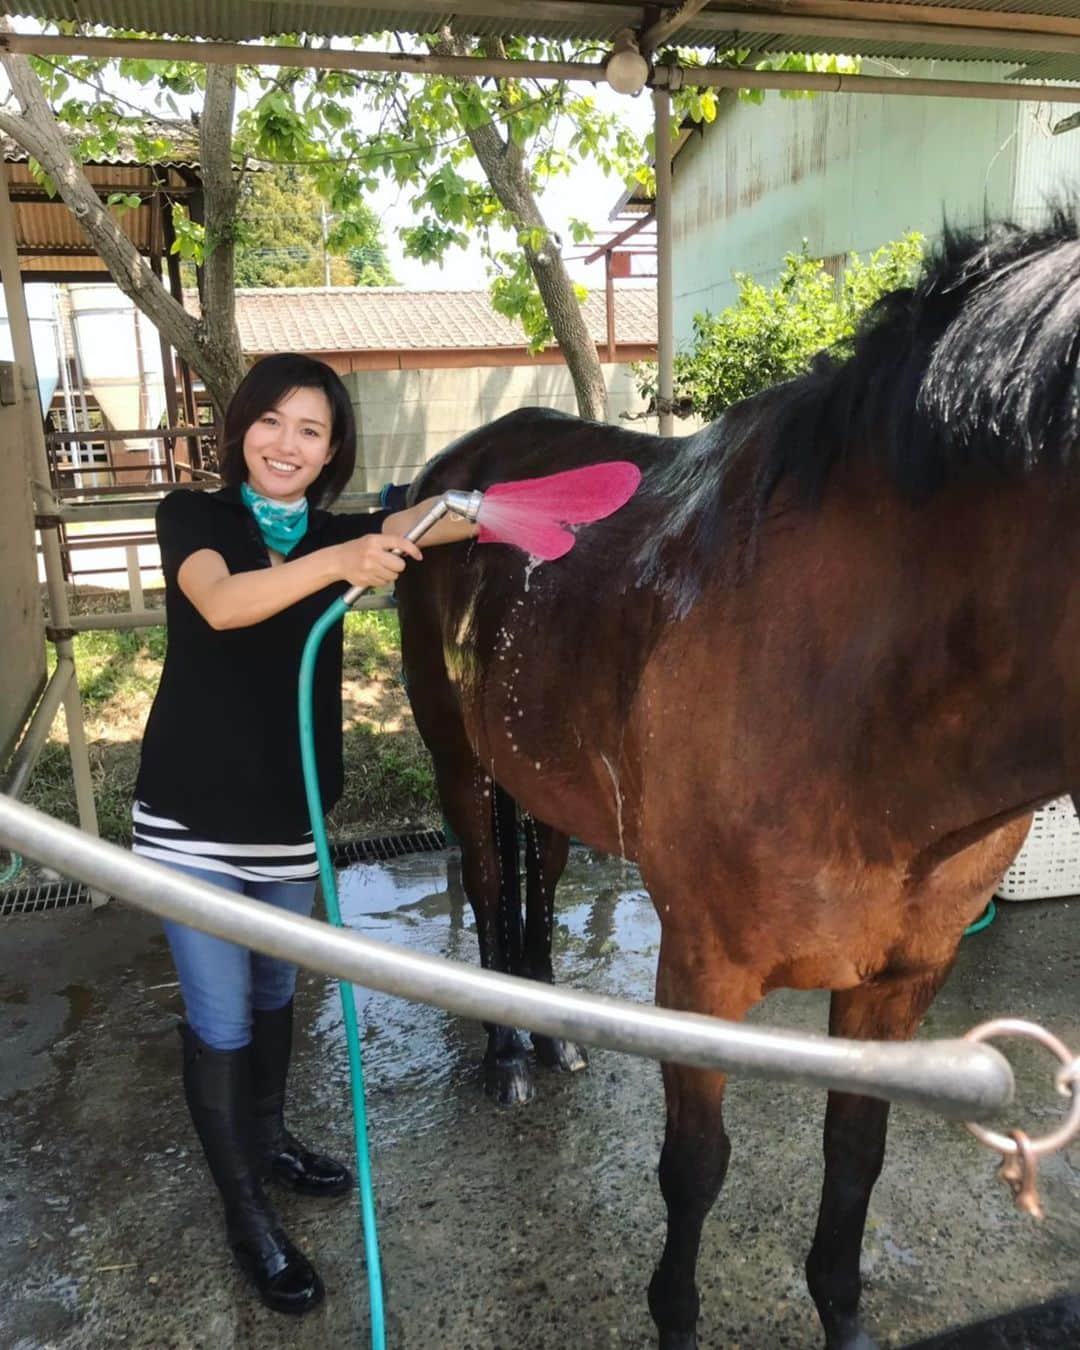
(886, 12)
(672, 77)
(61, 251)
(626, 234)
(320, 58)
(735, 22)
(715, 77)
(665, 28)
(29, 194)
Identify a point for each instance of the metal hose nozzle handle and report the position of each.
(465, 504)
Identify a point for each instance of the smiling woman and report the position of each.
(220, 791)
(287, 448)
(290, 431)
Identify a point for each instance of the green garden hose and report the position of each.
(12, 870)
(333, 615)
(984, 921)
(467, 505)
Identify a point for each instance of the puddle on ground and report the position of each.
(605, 941)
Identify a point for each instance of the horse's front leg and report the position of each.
(546, 852)
(693, 976)
(854, 1142)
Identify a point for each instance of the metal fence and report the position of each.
(957, 1078)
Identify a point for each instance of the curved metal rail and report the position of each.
(957, 1078)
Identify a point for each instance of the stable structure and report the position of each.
(1035, 41)
(52, 246)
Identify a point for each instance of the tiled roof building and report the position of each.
(373, 328)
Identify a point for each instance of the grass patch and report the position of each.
(389, 781)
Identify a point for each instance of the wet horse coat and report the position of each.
(813, 679)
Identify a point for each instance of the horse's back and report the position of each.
(527, 443)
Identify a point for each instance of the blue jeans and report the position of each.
(221, 982)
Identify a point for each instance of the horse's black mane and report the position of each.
(972, 370)
(974, 365)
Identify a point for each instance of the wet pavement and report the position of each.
(534, 1228)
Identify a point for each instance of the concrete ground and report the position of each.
(533, 1229)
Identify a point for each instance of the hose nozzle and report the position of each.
(465, 504)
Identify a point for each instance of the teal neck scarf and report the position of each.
(281, 524)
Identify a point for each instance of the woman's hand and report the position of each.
(451, 529)
(375, 559)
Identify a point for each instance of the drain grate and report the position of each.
(41, 896)
(48, 895)
(389, 846)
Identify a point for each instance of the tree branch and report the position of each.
(504, 165)
(197, 342)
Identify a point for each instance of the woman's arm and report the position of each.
(450, 530)
(236, 600)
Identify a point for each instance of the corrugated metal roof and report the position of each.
(182, 139)
(47, 235)
(391, 318)
(805, 26)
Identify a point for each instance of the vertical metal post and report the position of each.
(168, 378)
(176, 290)
(86, 453)
(45, 506)
(75, 450)
(665, 311)
(609, 304)
(135, 589)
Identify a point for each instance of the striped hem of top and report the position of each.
(168, 841)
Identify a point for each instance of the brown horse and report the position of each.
(813, 679)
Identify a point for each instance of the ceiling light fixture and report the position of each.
(626, 70)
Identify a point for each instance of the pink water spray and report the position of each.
(534, 514)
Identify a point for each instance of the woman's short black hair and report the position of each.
(266, 384)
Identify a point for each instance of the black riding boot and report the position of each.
(217, 1084)
(279, 1155)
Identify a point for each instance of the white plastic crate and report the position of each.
(1048, 865)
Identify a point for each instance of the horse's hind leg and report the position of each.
(486, 825)
(695, 977)
(854, 1151)
(483, 818)
(546, 851)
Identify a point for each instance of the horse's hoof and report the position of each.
(678, 1340)
(558, 1054)
(851, 1337)
(510, 1082)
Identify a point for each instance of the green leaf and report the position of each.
(773, 333)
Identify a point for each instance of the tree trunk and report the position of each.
(221, 188)
(210, 345)
(504, 165)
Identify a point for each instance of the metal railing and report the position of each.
(957, 1078)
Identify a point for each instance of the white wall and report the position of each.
(850, 172)
(405, 417)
